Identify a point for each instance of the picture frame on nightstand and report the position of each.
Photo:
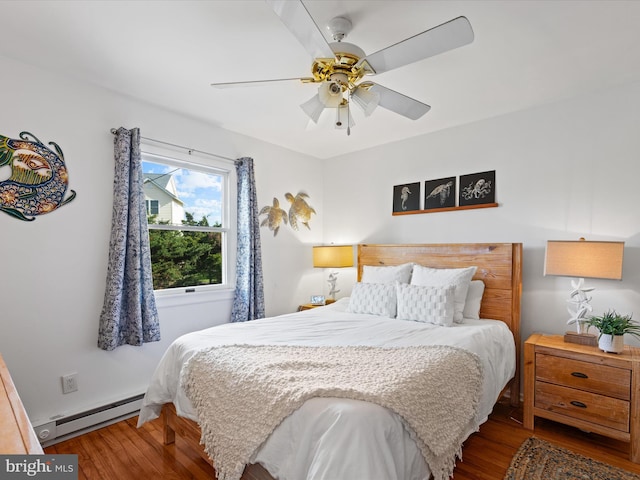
(318, 300)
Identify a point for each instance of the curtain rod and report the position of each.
(189, 150)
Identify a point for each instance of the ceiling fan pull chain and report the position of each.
(349, 114)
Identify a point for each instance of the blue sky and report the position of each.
(201, 192)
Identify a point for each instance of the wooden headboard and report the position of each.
(499, 267)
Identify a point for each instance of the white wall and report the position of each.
(53, 269)
(563, 171)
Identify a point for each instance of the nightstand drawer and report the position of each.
(591, 377)
(590, 407)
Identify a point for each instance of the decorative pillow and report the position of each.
(397, 273)
(426, 304)
(474, 298)
(373, 299)
(435, 277)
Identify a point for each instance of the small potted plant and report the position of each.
(612, 327)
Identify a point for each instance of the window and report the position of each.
(186, 214)
(152, 207)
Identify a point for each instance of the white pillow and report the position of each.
(426, 304)
(373, 299)
(474, 299)
(397, 273)
(435, 277)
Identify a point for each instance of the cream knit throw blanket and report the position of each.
(241, 393)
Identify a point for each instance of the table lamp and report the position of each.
(582, 259)
(333, 256)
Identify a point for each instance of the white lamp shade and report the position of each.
(313, 108)
(366, 99)
(584, 259)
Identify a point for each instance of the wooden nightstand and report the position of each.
(309, 306)
(582, 386)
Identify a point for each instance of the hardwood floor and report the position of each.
(122, 451)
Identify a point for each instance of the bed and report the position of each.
(340, 437)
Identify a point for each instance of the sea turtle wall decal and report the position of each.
(38, 181)
(274, 216)
(299, 212)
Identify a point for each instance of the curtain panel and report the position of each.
(248, 300)
(129, 314)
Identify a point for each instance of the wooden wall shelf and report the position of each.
(447, 209)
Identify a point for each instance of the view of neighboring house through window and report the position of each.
(186, 206)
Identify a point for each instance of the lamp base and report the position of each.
(581, 338)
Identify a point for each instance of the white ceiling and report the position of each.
(525, 53)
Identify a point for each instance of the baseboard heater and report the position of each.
(63, 428)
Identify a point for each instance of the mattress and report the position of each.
(331, 438)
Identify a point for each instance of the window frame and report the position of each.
(224, 170)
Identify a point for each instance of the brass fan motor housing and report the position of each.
(345, 65)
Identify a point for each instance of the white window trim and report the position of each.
(201, 293)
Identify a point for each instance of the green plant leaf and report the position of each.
(613, 323)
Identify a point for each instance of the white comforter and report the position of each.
(330, 438)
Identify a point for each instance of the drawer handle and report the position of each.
(578, 404)
(579, 375)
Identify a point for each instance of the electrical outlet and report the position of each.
(70, 383)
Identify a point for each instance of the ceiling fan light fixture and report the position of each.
(313, 108)
(330, 94)
(365, 99)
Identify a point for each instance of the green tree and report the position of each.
(185, 258)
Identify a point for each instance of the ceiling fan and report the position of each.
(340, 67)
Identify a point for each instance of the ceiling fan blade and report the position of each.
(452, 34)
(399, 103)
(256, 83)
(299, 22)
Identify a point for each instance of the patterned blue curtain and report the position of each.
(129, 314)
(248, 301)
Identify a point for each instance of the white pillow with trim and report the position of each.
(437, 277)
